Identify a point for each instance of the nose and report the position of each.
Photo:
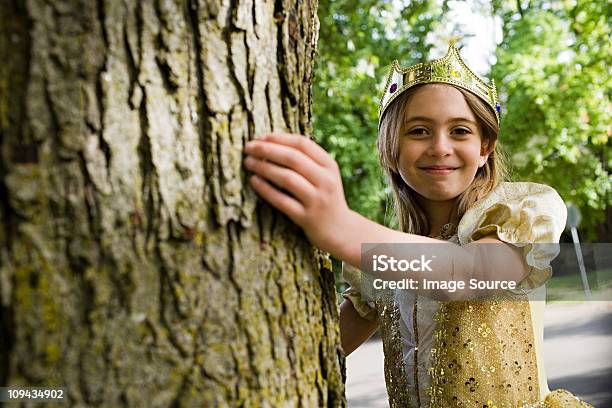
(441, 145)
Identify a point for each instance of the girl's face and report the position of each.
(440, 143)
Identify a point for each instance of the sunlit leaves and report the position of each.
(553, 71)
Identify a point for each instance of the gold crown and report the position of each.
(449, 69)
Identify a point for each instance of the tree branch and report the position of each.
(520, 8)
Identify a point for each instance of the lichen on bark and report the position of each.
(136, 266)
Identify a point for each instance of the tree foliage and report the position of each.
(553, 66)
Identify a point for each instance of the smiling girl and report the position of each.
(438, 130)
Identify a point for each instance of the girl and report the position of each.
(438, 128)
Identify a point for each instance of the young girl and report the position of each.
(438, 128)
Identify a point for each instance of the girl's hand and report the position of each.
(311, 177)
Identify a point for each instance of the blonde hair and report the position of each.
(410, 216)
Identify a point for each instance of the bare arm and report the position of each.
(314, 199)
(354, 329)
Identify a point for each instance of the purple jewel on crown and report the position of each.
(498, 107)
(393, 88)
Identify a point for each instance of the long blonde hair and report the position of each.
(410, 216)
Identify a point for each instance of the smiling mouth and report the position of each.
(439, 170)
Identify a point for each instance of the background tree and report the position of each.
(135, 267)
(553, 70)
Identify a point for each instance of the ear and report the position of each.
(485, 151)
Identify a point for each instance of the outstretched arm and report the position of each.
(302, 180)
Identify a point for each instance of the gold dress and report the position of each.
(476, 353)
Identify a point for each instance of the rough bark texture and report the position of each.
(136, 267)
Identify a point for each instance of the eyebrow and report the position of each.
(428, 119)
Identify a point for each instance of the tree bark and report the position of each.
(136, 266)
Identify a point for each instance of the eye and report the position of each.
(461, 131)
(418, 131)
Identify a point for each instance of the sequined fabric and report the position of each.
(400, 394)
(484, 355)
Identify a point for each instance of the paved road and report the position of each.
(577, 353)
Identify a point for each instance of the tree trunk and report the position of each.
(136, 266)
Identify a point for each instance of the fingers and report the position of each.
(282, 177)
(282, 202)
(288, 157)
(309, 147)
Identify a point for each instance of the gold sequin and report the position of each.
(484, 330)
(400, 394)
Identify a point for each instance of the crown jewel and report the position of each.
(450, 69)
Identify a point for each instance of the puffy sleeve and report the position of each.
(528, 215)
(352, 276)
